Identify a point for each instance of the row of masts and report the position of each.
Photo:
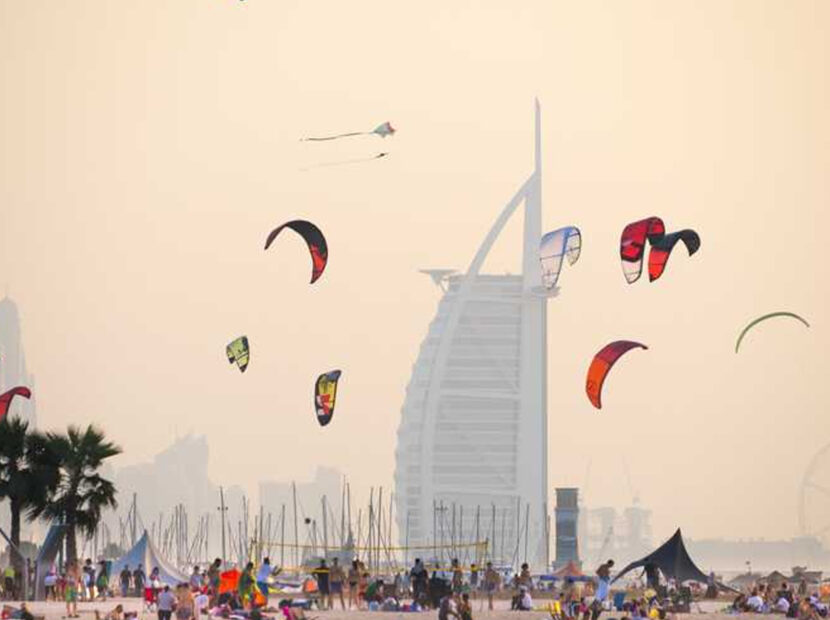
(293, 539)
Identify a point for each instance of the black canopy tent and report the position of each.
(673, 561)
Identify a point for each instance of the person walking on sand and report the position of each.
(138, 580)
(124, 578)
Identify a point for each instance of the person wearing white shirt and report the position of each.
(525, 602)
(782, 605)
(166, 601)
(263, 576)
(200, 604)
(755, 602)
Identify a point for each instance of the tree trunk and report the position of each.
(20, 573)
(71, 544)
(17, 559)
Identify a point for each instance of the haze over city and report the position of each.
(148, 149)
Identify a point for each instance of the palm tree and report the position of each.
(29, 473)
(82, 493)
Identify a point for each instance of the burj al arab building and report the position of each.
(471, 458)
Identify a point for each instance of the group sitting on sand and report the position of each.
(783, 601)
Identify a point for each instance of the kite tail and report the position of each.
(340, 135)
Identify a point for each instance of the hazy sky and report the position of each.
(147, 148)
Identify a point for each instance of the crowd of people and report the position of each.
(782, 600)
(449, 591)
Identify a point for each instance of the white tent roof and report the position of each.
(145, 553)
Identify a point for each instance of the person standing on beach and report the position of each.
(138, 580)
(124, 577)
(337, 577)
(246, 586)
(213, 580)
(321, 573)
(195, 579)
(87, 585)
(102, 583)
(418, 575)
(492, 580)
(73, 583)
(165, 603)
(457, 577)
(604, 580)
(354, 579)
(8, 583)
(184, 603)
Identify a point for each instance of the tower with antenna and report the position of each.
(473, 432)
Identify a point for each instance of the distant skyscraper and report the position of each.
(472, 443)
(13, 362)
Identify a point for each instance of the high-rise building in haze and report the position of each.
(471, 458)
(567, 520)
(13, 370)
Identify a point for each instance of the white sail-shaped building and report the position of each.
(471, 459)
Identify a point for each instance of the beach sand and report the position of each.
(55, 610)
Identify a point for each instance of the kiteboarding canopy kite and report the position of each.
(601, 365)
(239, 353)
(633, 245)
(651, 230)
(766, 317)
(325, 396)
(7, 397)
(315, 240)
(661, 250)
(563, 242)
(382, 130)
